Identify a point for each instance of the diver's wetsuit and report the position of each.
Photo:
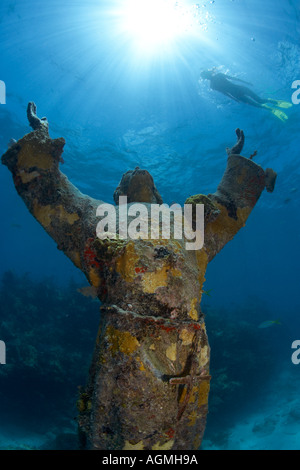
(240, 93)
(222, 83)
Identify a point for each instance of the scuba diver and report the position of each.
(222, 83)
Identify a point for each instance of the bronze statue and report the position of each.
(149, 379)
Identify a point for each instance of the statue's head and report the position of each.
(138, 186)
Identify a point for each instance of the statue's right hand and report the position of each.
(34, 121)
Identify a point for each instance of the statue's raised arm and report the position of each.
(66, 214)
(227, 210)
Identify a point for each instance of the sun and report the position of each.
(155, 23)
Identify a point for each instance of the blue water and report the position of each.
(119, 106)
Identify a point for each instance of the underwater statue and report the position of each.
(149, 378)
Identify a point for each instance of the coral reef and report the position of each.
(49, 331)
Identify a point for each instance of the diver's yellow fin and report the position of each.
(281, 103)
(277, 112)
(280, 114)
